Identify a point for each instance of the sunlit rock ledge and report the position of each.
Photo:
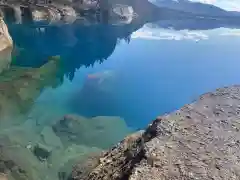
(199, 141)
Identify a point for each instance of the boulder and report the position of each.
(95, 132)
(5, 38)
(42, 152)
(198, 141)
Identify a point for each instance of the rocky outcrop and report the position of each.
(5, 38)
(198, 141)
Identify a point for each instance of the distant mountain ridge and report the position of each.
(196, 8)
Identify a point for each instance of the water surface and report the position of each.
(115, 78)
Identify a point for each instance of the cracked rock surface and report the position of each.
(199, 141)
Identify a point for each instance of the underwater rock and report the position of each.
(74, 154)
(33, 158)
(84, 167)
(103, 81)
(198, 141)
(17, 162)
(95, 132)
(5, 38)
(98, 88)
(49, 138)
(19, 87)
(3, 176)
(5, 59)
(42, 152)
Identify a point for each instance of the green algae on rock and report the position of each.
(198, 141)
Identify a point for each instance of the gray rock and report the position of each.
(199, 141)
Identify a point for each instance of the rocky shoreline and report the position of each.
(199, 141)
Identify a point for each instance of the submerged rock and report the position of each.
(42, 152)
(199, 141)
(5, 59)
(19, 87)
(96, 132)
(75, 154)
(3, 176)
(49, 138)
(98, 88)
(17, 162)
(25, 156)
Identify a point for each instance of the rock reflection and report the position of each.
(76, 44)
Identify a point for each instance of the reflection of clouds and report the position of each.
(168, 34)
(231, 32)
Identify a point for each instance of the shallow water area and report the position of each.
(70, 91)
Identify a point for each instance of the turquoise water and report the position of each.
(158, 71)
(109, 80)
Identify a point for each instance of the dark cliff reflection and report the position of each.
(76, 44)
